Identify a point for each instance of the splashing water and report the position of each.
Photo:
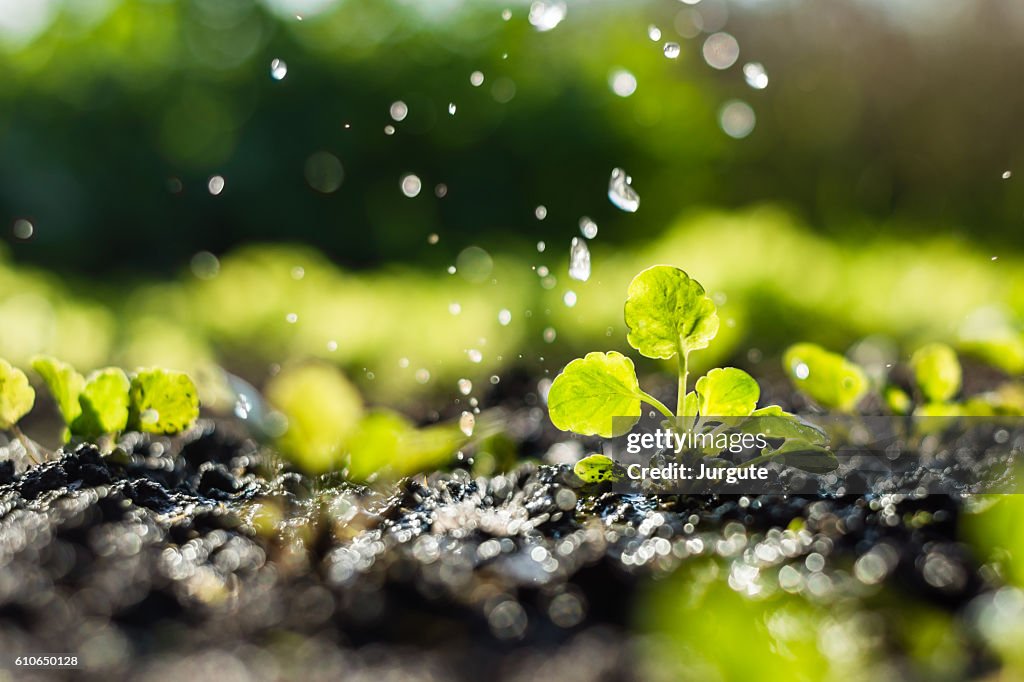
(399, 110)
(465, 386)
(755, 75)
(504, 317)
(721, 51)
(654, 33)
(1007, 175)
(579, 260)
(475, 356)
(541, 246)
(451, 108)
(541, 212)
(622, 82)
(671, 50)
(549, 335)
(278, 69)
(476, 79)
(737, 119)
(569, 299)
(215, 185)
(545, 16)
(467, 422)
(588, 227)
(621, 192)
(411, 185)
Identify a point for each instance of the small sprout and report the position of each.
(727, 392)
(828, 378)
(937, 372)
(16, 396)
(591, 391)
(104, 404)
(897, 400)
(171, 395)
(595, 469)
(64, 383)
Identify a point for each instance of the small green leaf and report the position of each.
(163, 401)
(591, 391)
(690, 405)
(828, 378)
(104, 404)
(64, 384)
(596, 469)
(16, 395)
(897, 400)
(668, 313)
(936, 371)
(727, 392)
(805, 456)
(323, 410)
(774, 422)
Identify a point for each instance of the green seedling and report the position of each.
(16, 400)
(668, 315)
(828, 378)
(107, 402)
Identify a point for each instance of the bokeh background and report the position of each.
(227, 183)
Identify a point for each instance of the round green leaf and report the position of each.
(727, 392)
(16, 395)
(591, 391)
(163, 401)
(667, 313)
(828, 378)
(774, 422)
(595, 469)
(64, 384)
(104, 404)
(936, 371)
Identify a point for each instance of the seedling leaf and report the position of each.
(936, 371)
(104, 404)
(727, 392)
(828, 378)
(16, 395)
(162, 401)
(592, 390)
(64, 384)
(668, 313)
(805, 456)
(595, 469)
(774, 422)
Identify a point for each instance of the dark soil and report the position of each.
(200, 557)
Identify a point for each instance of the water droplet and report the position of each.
(403, 362)
(569, 299)
(441, 191)
(205, 265)
(1007, 175)
(451, 108)
(654, 33)
(433, 239)
(495, 379)
(995, 258)
(23, 229)
(215, 185)
(474, 264)
(541, 246)
(737, 119)
(506, 14)
(545, 15)
(278, 69)
(550, 334)
(422, 376)
(671, 50)
(549, 282)
(292, 318)
(802, 371)
(399, 110)
(411, 185)
(332, 346)
(588, 227)
(454, 308)
(475, 356)
(754, 74)
(504, 317)
(579, 260)
(542, 271)
(721, 51)
(298, 272)
(149, 416)
(622, 82)
(451, 269)
(324, 172)
(466, 423)
(389, 130)
(541, 212)
(465, 386)
(621, 192)
(476, 79)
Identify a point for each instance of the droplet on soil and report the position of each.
(579, 260)
(621, 192)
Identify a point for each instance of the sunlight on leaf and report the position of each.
(591, 391)
(667, 313)
(16, 395)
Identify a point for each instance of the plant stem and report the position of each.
(30, 447)
(683, 373)
(656, 404)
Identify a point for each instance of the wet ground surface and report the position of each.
(200, 557)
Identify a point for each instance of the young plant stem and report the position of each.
(30, 447)
(656, 404)
(684, 371)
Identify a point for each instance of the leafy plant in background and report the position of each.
(16, 400)
(668, 316)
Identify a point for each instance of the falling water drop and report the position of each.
(24, 229)
(399, 110)
(671, 50)
(465, 386)
(588, 227)
(569, 299)
(541, 212)
(545, 16)
(215, 185)
(476, 79)
(504, 317)
(621, 192)
(466, 423)
(411, 185)
(475, 356)
(550, 334)
(654, 33)
(541, 246)
(579, 260)
(755, 75)
(278, 69)
(451, 108)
